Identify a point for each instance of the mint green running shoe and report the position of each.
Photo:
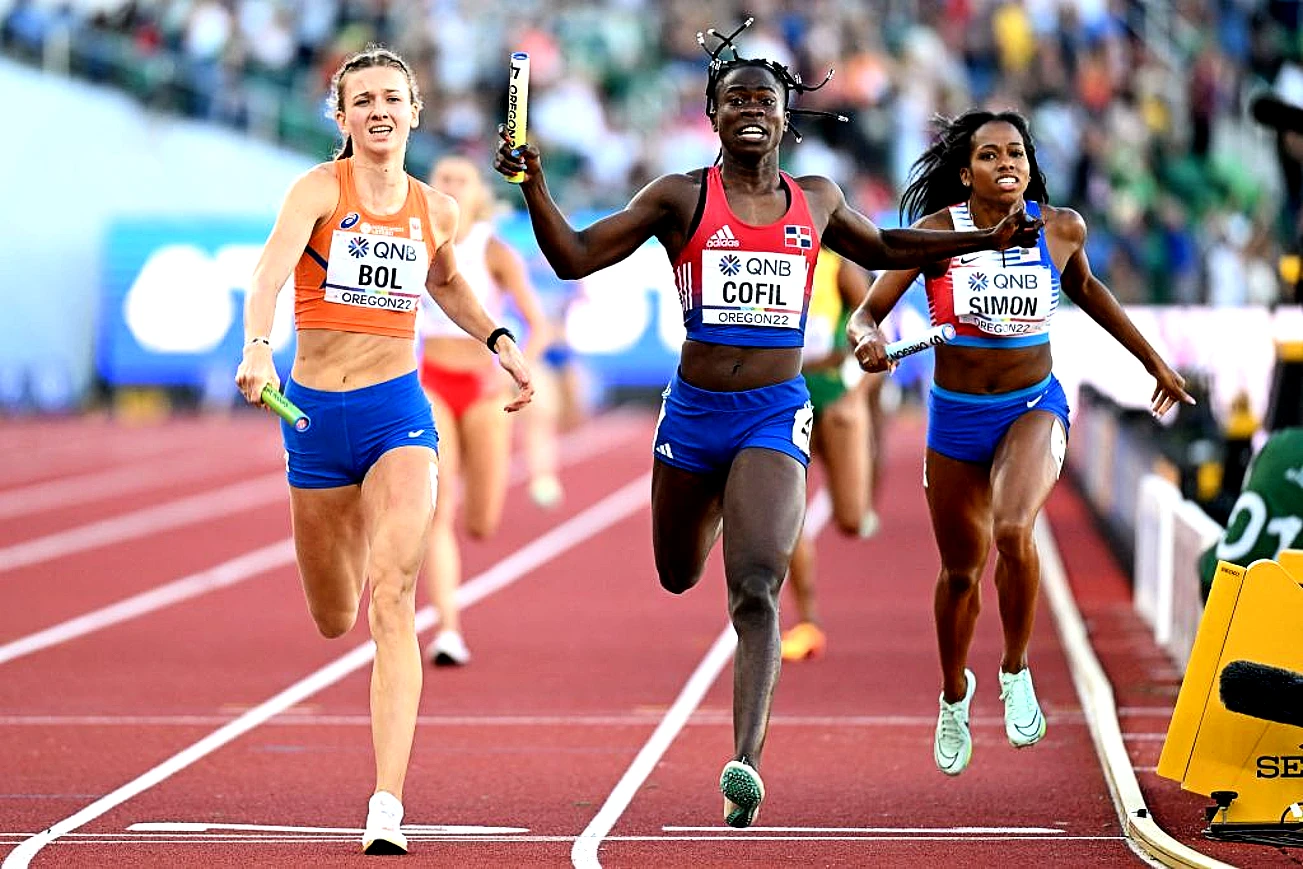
(743, 793)
(953, 746)
(1024, 723)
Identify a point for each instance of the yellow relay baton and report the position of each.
(285, 409)
(518, 104)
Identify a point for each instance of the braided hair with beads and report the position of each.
(721, 66)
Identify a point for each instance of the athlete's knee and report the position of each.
(393, 603)
(753, 594)
(334, 623)
(959, 582)
(1014, 537)
(480, 528)
(677, 580)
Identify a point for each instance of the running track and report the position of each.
(164, 699)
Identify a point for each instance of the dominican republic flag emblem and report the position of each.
(798, 237)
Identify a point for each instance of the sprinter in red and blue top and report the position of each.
(998, 418)
(732, 443)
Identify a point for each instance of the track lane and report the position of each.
(262, 623)
(522, 733)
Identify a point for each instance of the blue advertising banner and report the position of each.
(173, 295)
(172, 302)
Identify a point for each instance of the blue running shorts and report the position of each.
(968, 427)
(701, 431)
(351, 430)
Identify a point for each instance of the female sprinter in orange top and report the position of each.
(467, 392)
(363, 240)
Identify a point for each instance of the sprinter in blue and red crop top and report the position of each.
(998, 418)
(732, 443)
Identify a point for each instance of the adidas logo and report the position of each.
(723, 237)
(664, 450)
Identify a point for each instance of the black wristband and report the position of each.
(497, 333)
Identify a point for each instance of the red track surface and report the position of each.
(576, 664)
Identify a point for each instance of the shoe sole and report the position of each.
(743, 792)
(385, 845)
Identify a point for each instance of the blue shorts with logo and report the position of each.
(351, 430)
(701, 431)
(969, 427)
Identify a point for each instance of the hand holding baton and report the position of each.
(909, 346)
(285, 409)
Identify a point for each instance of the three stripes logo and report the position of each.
(723, 237)
(664, 450)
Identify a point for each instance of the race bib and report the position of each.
(1004, 301)
(370, 271)
(743, 288)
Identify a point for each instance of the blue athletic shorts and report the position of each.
(351, 430)
(701, 431)
(969, 427)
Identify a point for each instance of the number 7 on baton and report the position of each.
(518, 105)
(285, 409)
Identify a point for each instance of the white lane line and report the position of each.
(722, 834)
(1143, 835)
(583, 855)
(613, 508)
(428, 829)
(574, 450)
(234, 498)
(225, 574)
(898, 831)
(700, 718)
(98, 485)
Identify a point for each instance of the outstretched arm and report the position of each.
(508, 270)
(574, 253)
(451, 291)
(855, 237)
(1090, 294)
(866, 339)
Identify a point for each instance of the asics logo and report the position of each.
(723, 237)
(1035, 401)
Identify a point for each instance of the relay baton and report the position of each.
(931, 338)
(518, 105)
(285, 409)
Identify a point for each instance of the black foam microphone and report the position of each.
(1263, 691)
(1271, 111)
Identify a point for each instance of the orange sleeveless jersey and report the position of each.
(364, 273)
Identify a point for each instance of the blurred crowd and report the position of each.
(1139, 107)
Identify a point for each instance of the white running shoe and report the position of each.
(953, 748)
(384, 817)
(546, 491)
(448, 650)
(869, 524)
(1023, 722)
